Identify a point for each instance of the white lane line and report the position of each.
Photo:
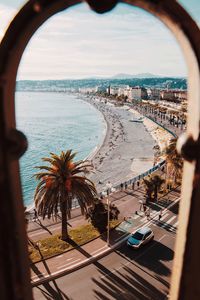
(168, 222)
(59, 256)
(164, 217)
(40, 229)
(176, 224)
(129, 262)
(66, 265)
(99, 249)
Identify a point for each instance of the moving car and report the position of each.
(140, 237)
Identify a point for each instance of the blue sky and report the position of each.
(79, 43)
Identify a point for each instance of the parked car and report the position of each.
(140, 237)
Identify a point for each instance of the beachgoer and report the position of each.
(160, 215)
(133, 185)
(126, 185)
(121, 185)
(35, 214)
(148, 213)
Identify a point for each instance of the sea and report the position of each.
(55, 122)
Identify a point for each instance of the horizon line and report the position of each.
(104, 78)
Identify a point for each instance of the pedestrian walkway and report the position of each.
(78, 257)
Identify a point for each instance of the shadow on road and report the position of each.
(43, 226)
(168, 227)
(126, 284)
(131, 285)
(153, 260)
(51, 291)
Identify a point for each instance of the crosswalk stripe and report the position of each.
(152, 215)
(136, 217)
(164, 217)
(176, 224)
(156, 221)
(168, 222)
(173, 228)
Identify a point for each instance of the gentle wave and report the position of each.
(54, 122)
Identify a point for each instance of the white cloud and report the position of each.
(6, 16)
(79, 43)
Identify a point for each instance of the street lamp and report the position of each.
(109, 189)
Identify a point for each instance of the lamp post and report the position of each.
(108, 226)
(109, 187)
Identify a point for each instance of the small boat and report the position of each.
(140, 120)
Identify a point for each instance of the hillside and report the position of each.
(50, 85)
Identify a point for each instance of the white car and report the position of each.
(140, 237)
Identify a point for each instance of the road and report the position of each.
(125, 273)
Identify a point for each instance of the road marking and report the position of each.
(127, 225)
(176, 224)
(164, 217)
(172, 204)
(174, 227)
(168, 222)
(66, 265)
(47, 277)
(99, 249)
(59, 256)
(156, 224)
(136, 217)
(135, 259)
(41, 231)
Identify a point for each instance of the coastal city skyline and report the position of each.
(79, 43)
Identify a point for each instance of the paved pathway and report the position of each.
(128, 203)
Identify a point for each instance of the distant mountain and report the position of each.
(140, 75)
(63, 85)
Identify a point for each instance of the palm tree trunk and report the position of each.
(156, 194)
(63, 209)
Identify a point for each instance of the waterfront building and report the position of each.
(137, 93)
(154, 94)
(114, 90)
(173, 95)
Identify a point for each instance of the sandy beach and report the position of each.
(127, 150)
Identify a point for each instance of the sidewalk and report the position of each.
(74, 259)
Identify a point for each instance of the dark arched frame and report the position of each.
(14, 274)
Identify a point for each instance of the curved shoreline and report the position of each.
(92, 154)
(120, 146)
(115, 139)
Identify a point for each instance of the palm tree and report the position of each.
(149, 188)
(157, 183)
(174, 159)
(59, 184)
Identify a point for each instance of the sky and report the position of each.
(78, 43)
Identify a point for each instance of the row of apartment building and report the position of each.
(138, 93)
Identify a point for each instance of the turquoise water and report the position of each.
(54, 122)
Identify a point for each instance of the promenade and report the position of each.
(128, 202)
(132, 216)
